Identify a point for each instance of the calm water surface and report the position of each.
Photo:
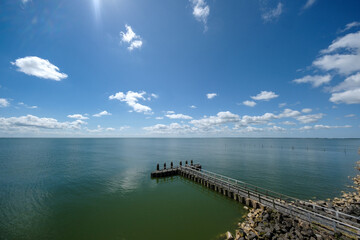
(101, 188)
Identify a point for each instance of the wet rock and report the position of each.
(229, 236)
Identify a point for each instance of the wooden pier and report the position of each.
(257, 197)
(173, 171)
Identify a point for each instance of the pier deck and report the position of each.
(258, 197)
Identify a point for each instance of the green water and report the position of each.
(101, 188)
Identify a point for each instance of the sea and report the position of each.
(100, 188)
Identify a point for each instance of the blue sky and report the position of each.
(198, 68)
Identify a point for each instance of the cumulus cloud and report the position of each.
(315, 81)
(309, 3)
(310, 118)
(342, 56)
(249, 103)
(77, 116)
(103, 113)
(289, 113)
(272, 14)
(219, 119)
(193, 106)
(34, 122)
(349, 97)
(307, 110)
(211, 95)
(39, 67)
(265, 96)
(173, 128)
(131, 38)
(350, 115)
(4, 102)
(132, 99)
(344, 62)
(201, 11)
(347, 91)
(178, 116)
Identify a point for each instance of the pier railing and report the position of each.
(308, 211)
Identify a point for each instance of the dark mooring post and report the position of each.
(164, 165)
(157, 167)
(186, 163)
(192, 163)
(171, 165)
(180, 163)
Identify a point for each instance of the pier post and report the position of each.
(164, 165)
(157, 167)
(171, 164)
(186, 163)
(180, 163)
(192, 163)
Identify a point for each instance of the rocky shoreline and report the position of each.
(264, 223)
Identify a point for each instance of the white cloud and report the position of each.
(77, 116)
(201, 11)
(34, 122)
(351, 25)
(350, 115)
(173, 128)
(315, 81)
(27, 106)
(154, 95)
(249, 103)
(289, 113)
(263, 119)
(159, 118)
(131, 98)
(349, 97)
(350, 83)
(178, 116)
(344, 63)
(309, 3)
(265, 96)
(288, 123)
(347, 91)
(103, 113)
(276, 128)
(310, 118)
(135, 44)
(193, 106)
(281, 105)
(307, 110)
(272, 14)
(130, 37)
(343, 57)
(211, 95)
(349, 41)
(4, 102)
(123, 128)
(170, 112)
(39, 67)
(110, 129)
(317, 127)
(219, 119)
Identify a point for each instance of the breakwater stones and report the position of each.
(266, 223)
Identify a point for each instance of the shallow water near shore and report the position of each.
(101, 188)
